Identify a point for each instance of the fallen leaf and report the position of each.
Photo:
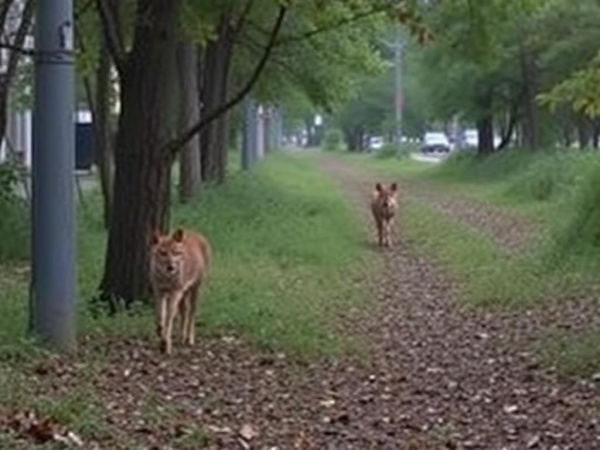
(248, 432)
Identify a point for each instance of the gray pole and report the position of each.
(253, 135)
(246, 135)
(398, 96)
(249, 141)
(53, 236)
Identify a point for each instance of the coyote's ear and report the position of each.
(155, 237)
(178, 235)
(378, 187)
(394, 187)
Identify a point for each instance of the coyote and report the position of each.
(383, 206)
(178, 267)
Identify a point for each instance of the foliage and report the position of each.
(9, 177)
(581, 90)
(505, 49)
(392, 150)
(14, 233)
(333, 140)
(323, 66)
(387, 151)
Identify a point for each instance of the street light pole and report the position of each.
(53, 215)
(398, 47)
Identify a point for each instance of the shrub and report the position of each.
(392, 150)
(14, 231)
(333, 140)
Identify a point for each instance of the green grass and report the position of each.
(572, 354)
(488, 276)
(14, 246)
(284, 246)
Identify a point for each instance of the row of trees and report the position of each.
(526, 70)
(175, 72)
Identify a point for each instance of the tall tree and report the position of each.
(142, 169)
(189, 113)
(215, 77)
(144, 149)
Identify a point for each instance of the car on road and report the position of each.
(435, 142)
(471, 139)
(375, 142)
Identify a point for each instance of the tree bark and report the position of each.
(583, 131)
(189, 113)
(214, 93)
(142, 167)
(485, 133)
(485, 125)
(104, 150)
(530, 124)
(509, 131)
(596, 134)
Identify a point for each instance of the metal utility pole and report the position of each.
(398, 48)
(53, 215)
(249, 134)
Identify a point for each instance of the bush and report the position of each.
(392, 150)
(551, 176)
(333, 140)
(582, 227)
(14, 231)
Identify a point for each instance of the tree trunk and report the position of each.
(566, 131)
(596, 134)
(142, 167)
(103, 134)
(4, 78)
(189, 114)
(360, 138)
(530, 124)
(583, 131)
(267, 128)
(485, 133)
(485, 126)
(216, 65)
(509, 131)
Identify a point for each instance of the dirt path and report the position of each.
(510, 232)
(438, 377)
(470, 381)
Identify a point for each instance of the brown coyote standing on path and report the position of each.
(178, 267)
(383, 206)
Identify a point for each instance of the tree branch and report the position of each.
(17, 49)
(4, 12)
(175, 145)
(329, 27)
(241, 21)
(114, 41)
(22, 31)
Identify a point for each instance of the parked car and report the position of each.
(471, 139)
(375, 142)
(435, 142)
